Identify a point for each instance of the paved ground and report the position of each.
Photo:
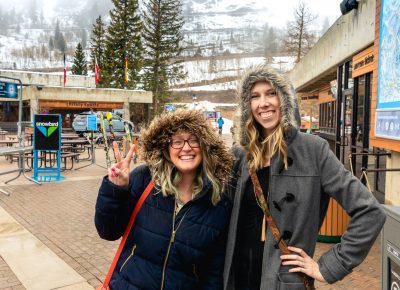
(60, 214)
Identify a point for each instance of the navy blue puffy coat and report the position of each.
(195, 258)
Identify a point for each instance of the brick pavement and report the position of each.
(61, 216)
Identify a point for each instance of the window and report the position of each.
(327, 117)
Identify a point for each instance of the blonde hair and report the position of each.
(168, 179)
(263, 148)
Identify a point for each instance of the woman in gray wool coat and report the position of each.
(298, 173)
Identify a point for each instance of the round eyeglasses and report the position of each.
(179, 144)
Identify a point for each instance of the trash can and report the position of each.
(391, 249)
(335, 223)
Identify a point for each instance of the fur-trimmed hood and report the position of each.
(157, 136)
(290, 112)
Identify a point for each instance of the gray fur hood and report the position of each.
(155, 139)
(289, 107)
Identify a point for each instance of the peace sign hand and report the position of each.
(302, 263)
(118, 173)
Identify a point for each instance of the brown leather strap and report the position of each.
(272, 226)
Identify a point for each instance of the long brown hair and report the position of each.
(263, 148)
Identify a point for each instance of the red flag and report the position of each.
(97, 71)
(65, 71)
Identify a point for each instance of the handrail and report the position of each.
(364, 172)
(373, 154)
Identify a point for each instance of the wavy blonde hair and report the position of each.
(168, 179)
(263, 148)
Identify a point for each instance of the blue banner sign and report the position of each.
(91, 122)
(8, 90)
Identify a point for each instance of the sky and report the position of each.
(277, 13)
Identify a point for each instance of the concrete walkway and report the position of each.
(34, 264)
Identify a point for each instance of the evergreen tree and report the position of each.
(59, 40)
(80, 64)
(61, 44)
(123, 39)
(163, 22)
(97, 46)
(51, 43)
(33, 15)
(57, 33)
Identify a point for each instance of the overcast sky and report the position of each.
(278, 12)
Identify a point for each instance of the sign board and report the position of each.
(387, 124)
(363, 62)
(388, 105)
(91, 122)
(8, 90)
(47, 132)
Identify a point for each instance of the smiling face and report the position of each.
(185, 152)
(265, 106)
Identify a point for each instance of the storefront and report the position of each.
(343, 77)
(69, 101)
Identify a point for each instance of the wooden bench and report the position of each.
(65, 156)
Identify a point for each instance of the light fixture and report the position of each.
(347, 5)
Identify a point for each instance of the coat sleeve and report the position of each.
(366, 217)
(238, 154)
(115, 204)
(212, 267)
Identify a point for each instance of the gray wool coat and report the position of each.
(314, 174)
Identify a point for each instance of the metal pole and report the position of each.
(21, 167)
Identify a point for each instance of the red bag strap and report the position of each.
(126, 233)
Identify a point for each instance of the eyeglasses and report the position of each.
(179, 144)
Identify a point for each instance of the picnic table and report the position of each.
(21, 164)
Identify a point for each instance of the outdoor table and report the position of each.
(75, 144)
(8, 143)
(70, 136)
(21, 166)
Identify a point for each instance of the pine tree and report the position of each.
(51, 43)
(162, 21)
(123, 39)
(80, 64)
(59, 40)
(97, 46)
(57, 33)
(61, 44)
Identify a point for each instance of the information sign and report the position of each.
(47, 132)
(8, 90)
(91, 122)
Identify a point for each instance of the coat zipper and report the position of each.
(171, 241)
(129, 257)
(195, 272)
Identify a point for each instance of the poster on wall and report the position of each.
(387, 120)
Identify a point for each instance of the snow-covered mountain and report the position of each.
(221, 36)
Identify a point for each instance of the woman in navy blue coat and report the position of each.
(179, 236)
